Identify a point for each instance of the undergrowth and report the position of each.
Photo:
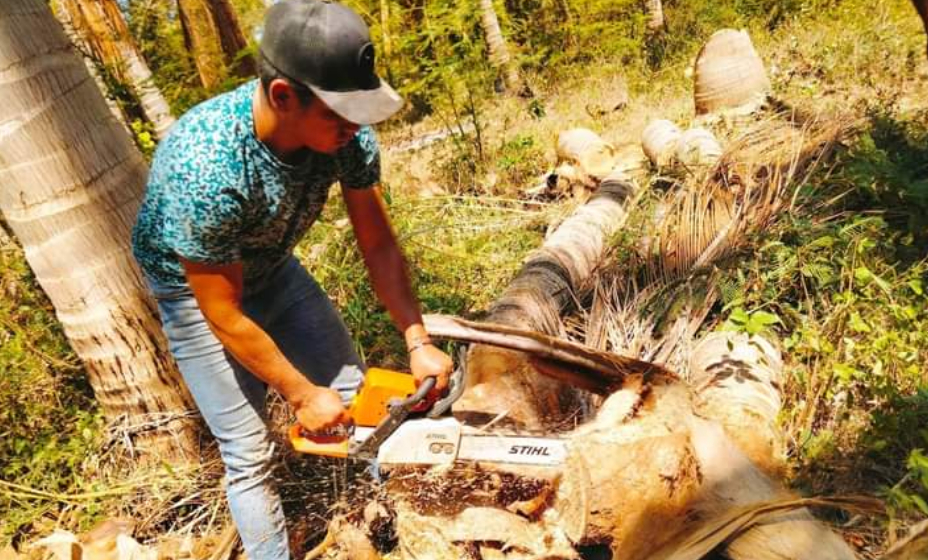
(49, 422)
(844, 282)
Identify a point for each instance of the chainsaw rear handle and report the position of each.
(339, 445)
(413, 400)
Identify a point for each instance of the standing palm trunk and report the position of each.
(70, 186)
(496, 45)
(213, 35)
(655, 14)
(101, 29)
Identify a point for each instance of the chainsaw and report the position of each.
(390, 425)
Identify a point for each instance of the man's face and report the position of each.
(321, 129)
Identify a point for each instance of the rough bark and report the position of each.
(215, 40)
(100, 27)
(70, 186)
(502, 381)
(497, 48)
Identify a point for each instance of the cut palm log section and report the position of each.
(698, 147)
(656, 475)
(737, 378)
(584, 159)
(729, 76)
(659, 141)
(585, 149)
(667, 146)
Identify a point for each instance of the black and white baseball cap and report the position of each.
(327, 47)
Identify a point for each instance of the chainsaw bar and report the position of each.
(444, 441)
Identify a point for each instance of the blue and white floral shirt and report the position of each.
(217, 195)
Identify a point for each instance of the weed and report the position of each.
(49, 422)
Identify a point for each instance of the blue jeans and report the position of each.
(291, 307)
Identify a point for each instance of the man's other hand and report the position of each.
(429, 361)
(320, 409)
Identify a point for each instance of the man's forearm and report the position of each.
(390, 280)
(257, 352)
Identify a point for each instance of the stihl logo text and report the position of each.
(529, 450)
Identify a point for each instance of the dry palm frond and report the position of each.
(709, 535)
(591, 369)
(652, 304)
(913, 547)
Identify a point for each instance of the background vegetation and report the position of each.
(841, 281)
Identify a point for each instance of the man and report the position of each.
(233, 188)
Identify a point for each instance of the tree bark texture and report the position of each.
(215, 39)
(502, 381)
(70, 186)
(496, 46)
(101, 28)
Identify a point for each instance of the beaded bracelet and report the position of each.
(418, 344)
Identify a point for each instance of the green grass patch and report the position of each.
(49, 421)
(845, 285)
(461, 250)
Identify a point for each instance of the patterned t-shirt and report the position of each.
(217, 195)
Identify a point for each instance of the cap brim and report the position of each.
(363, 106)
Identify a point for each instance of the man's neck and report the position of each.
(269, 130)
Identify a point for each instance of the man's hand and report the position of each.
(429, 361)
(319, 408)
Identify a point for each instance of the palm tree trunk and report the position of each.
(213, 35)
(70, 186)
(496, 45)
(100, 26)
(67, 22)
(655, 14)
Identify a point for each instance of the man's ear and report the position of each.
(281, 96)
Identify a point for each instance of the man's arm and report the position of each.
(387, 269)
(218, 290)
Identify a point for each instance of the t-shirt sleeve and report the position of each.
(358, 162)
(203, 220)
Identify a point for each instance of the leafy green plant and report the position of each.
(752, 323)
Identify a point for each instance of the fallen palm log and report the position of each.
(737, 378)
(649, 474)
(542, 290)
(591, 155)
(646, 475)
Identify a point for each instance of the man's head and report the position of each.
(323, 47)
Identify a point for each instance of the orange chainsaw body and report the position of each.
(368, 407)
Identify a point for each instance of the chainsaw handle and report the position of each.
(419, 396)
(318, 444)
